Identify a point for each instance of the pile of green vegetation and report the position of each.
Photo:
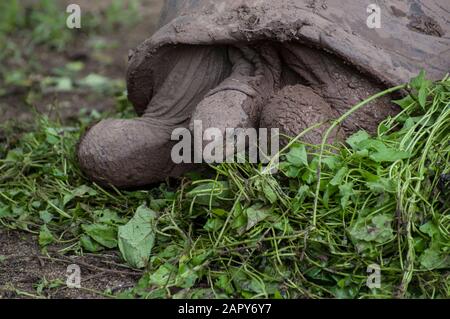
(309, 231)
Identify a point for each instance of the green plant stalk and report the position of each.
(332, 127)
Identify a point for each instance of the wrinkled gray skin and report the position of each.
(284, 64)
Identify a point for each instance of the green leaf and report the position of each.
(270, 194)
(5, 211)
(405, 102)
(357, 138)
(382, 185)
(83, 190)
(331, 162)
(339, 177)
(105, 235)
(15, 155)
(63, 84)
(373, 229)
(418, 81)
(373, 144)
(297, 156)
(107, 216)
(301, 195)
(224, 282)
(74, 66)
(423, 94)
(292, 171)
(267, 185)
(52, 136)
(170, 251)
(433, 258)
(256, 214)
(420, 244)
(212, 192)
(346, 191)
(219, 212)
(389, 155)
(80, 191)
(45, 236)
(329, 191)
(431, 229)
(239, 223)
(163, 276)
(200, 259)
(137, 237)
(16, 77)
(213, 224)
(45, 216)
(186, 277)
(89, 244)
(96, 82)
(383, 128)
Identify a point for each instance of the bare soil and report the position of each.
(24, 268)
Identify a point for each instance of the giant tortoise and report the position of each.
(284, 64)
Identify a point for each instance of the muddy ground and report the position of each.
(26, 271)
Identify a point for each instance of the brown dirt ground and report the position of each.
(22, 265)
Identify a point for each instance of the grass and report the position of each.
(310, 231)
(26, 29)
(44, 21)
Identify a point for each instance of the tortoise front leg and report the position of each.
(137, 152)
(235, 105)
